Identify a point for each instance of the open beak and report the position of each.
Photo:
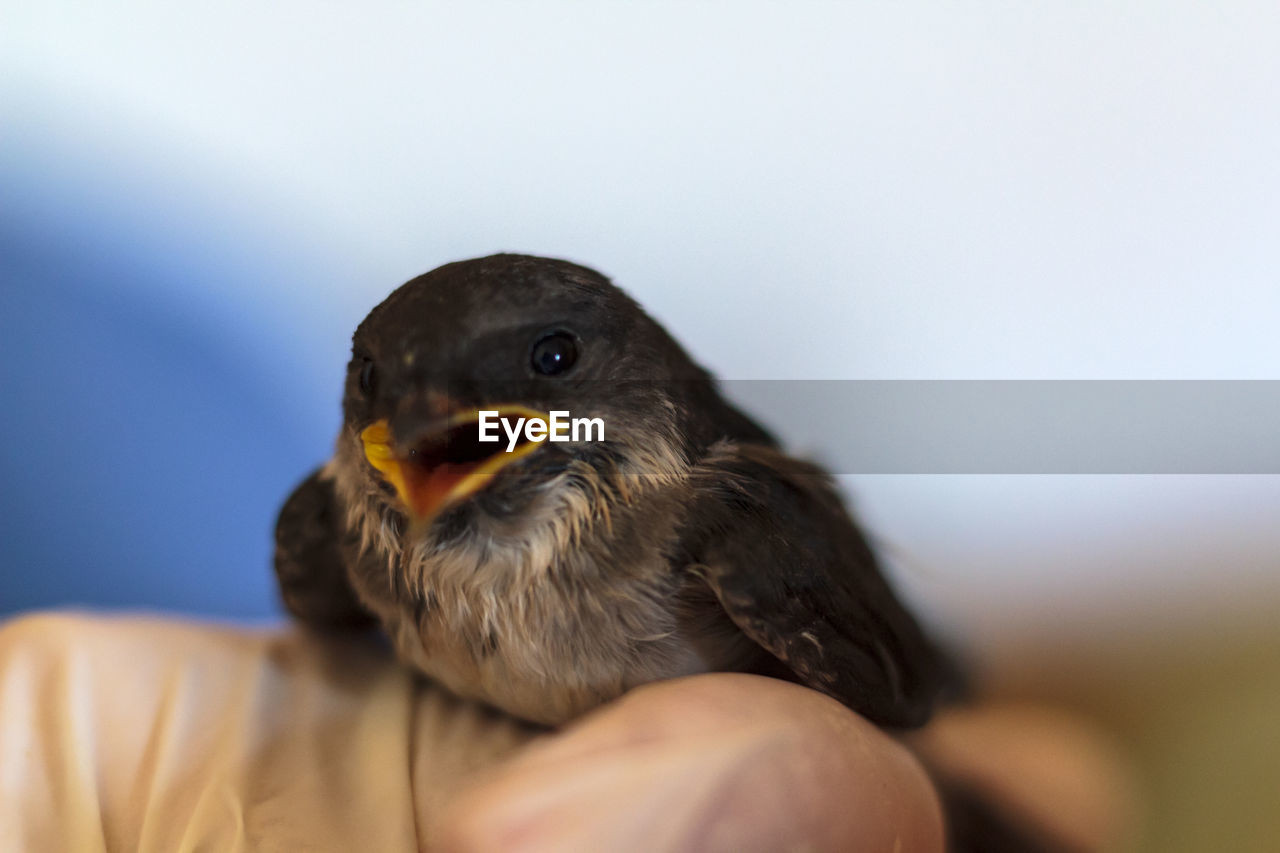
(450, 464)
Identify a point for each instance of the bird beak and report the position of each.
(449, 464)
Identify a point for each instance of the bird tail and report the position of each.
(976, 824)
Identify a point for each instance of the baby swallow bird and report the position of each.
(546, 577)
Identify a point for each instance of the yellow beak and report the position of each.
(451, 465)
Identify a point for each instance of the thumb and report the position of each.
(715, 762)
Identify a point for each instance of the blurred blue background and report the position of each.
(149, 441)
(200, 204)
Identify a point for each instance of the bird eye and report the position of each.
(554, 354)
(368, 377)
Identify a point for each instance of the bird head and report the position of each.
(520, 340)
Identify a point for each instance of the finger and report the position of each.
(1042, 765)
(714, 762)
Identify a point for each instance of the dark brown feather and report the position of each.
(770, 536)
(310, 567)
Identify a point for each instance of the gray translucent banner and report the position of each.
(1023, 427)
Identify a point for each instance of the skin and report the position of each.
(744, 763)
(322, 745)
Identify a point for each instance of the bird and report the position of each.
(547, 577)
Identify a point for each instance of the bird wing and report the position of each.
(310, 567)
(772, 539)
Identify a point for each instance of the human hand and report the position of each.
(742, 763)
(225, 738)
